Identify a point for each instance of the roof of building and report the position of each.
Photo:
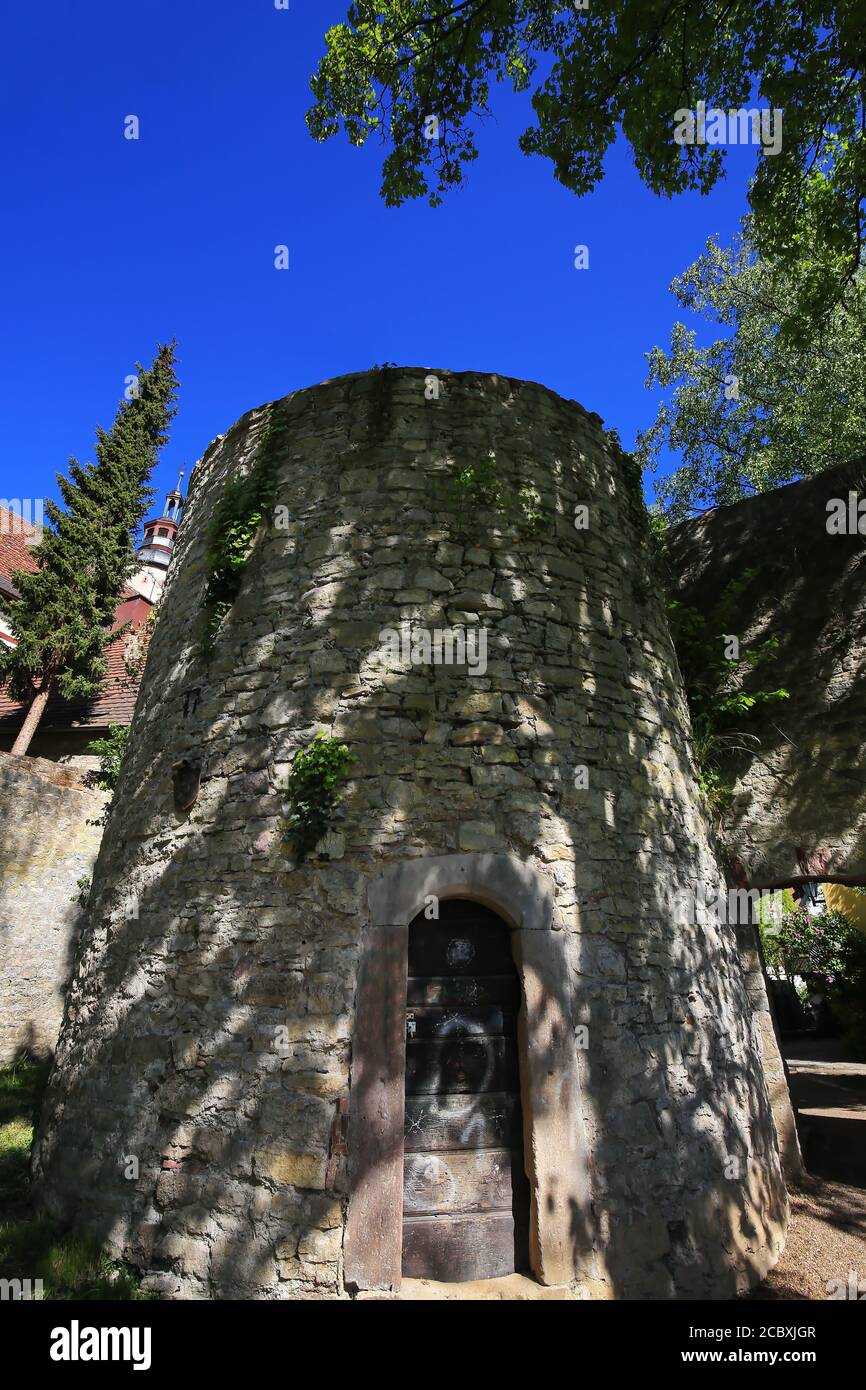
(115, 702)
(16, 538)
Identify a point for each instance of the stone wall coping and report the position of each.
(521, 895)
(58, 774)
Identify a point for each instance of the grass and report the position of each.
(31, 1246)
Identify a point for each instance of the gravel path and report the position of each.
(827, 1234)
(826, 1239)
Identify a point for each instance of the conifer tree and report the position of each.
(62, 620)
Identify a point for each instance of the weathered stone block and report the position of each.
(184, 1050)
(286, 1165)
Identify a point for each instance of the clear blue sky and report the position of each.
(110, 245)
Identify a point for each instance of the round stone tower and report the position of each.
(490, 1022)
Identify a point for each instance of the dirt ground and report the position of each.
(827, 1233)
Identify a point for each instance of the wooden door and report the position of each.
(465, 1192)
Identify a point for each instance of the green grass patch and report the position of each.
(31, 1246)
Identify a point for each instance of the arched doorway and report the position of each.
(465, 1191)
(561, 1218)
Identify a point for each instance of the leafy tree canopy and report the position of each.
(755, 408)
(593, 68)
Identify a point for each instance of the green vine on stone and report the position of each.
(714, 683)
(244, 505)
(479, 485)
(379, 418)
(83, 885)
(111, 752)
(476, 485)
(529, 503)
(313, 790)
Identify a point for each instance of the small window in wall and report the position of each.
(465, 1190)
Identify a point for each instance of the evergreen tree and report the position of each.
(62, 620)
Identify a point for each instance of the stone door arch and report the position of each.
(554, 1144)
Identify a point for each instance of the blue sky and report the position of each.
(109, 245)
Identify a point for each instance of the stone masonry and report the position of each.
(46, 845)
(799, 806)
(196, 1115)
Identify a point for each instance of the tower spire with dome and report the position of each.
(157, 547)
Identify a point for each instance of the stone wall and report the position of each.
(196, 1116)
(70, 747)
(46, 846)
(799, 805)
(774, 1066)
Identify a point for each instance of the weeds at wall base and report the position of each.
(71, 1267)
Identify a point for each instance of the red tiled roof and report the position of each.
(16, 538)
(115, 701)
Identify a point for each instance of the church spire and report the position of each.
(157, 547)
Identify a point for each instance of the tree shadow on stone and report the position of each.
(208, 1037)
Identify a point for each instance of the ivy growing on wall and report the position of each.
(719, 703)
(83, 886)
(479, 485)
(244, 505)
(111, 752)
(313, 791)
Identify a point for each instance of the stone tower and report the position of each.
(229, 1101)
(157, 547)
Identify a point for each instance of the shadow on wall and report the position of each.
(30, 1048)
(208, 1037)
(46, 846)
(800, 802)
(25, 799)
